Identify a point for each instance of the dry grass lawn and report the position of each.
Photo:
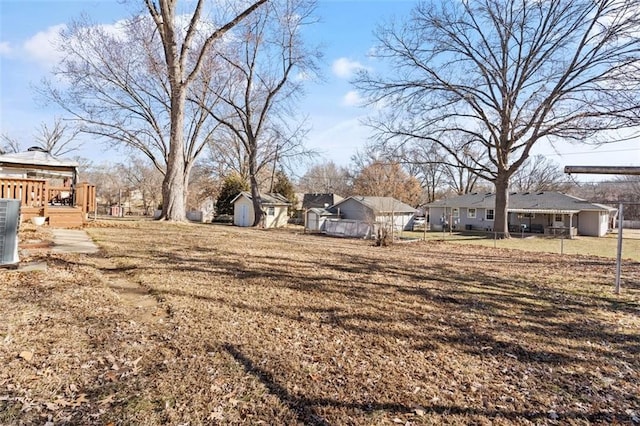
(205, 324)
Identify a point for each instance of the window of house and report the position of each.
(471, 213)
(271, 211)
(559, 218)
(456, 212)
(490, 214)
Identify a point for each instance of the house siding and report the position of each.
(279, 219)
(351, 209)
(400, 220)
(593, 224)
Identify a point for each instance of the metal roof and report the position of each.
(36, 158)
(524, 202)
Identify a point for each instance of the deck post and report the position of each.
(45, 201)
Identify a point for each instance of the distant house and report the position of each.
(360, 216)
(541, 212)
(275, 208)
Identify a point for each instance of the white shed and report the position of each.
(275, 208)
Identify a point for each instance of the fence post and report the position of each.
(619, 254)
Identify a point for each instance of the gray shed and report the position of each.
(315, 219)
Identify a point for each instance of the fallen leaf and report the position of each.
(62, 402)
(26, 355)
(420, 412)
(106, 400)
(81, 399)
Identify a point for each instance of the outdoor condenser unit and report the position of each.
(9, 220)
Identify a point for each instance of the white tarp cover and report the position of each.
(349, 228)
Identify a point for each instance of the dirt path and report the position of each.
(144, 306)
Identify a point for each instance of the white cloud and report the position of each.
(5, 48)
(42, 46)
(338, 139)
(352, 98)
(345, 68)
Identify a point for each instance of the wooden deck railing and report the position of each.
(30, 192)
(85, 197)
(36, 193)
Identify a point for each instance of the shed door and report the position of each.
(244, 215)
(313, 222)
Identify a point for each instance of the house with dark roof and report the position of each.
(542, 212)
(319, 200)
(275, 207)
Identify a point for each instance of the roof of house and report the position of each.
(524, 202)
(379, 204)
(322, 211)
(320, 200)
(36, 157)
(268, 199)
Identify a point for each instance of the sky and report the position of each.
(346, 31)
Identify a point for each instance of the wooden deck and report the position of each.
(62, 206)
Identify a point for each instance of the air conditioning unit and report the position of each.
(9, 222)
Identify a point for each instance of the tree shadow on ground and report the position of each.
(306, 409)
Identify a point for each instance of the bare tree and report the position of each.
(130, 85)
(500, 75)
(460, 177)
(326, 178)
(264, 66)
(539, 174)
(59, 139)
(9, 145)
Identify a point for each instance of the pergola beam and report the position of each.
(603, 170)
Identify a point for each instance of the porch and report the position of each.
(63, 206)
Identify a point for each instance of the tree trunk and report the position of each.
(500, 224)
(186, 176)
(255, 191)
(173, 185)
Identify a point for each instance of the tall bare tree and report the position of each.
(326, 178)
(265, 64)
(59, 139)
(501, 75)
(539, 174)
(130, 84)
